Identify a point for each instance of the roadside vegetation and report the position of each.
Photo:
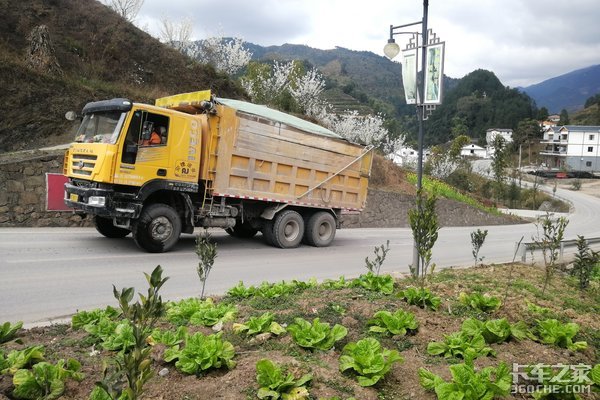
(372, 337)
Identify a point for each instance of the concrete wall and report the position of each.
(23, 193)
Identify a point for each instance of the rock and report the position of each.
(259, 339)
(163, 372)
(218, 327)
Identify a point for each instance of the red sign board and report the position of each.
(55, 192)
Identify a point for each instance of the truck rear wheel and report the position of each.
(286, 230)
(320, 229)
(106, 228)
(158, 228)
(242, 231)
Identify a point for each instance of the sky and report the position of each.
(522, 41)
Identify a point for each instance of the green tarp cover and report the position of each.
(278, 116)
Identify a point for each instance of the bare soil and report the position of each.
(562, 298)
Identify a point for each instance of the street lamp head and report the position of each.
(391, 49)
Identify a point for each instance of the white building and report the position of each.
(572, 147)
(472, 150)
(408, 157)
(490, 136)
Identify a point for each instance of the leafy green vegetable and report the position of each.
(18, 359)
(551, 331)
(93, 317)
(274, 385)
(460, 344)
(317, 335)
(466, 384)
(496, 330)
(168, 338)
(375, 283)
(480, 302)
(261, 324)
(45, 381)
(8, 331)
(396, 324)
(595, 375)
(340, 283)
(201, 353)
(199, 312)
(266, 289)
(121, 339)
(420, 297)
(368, 360)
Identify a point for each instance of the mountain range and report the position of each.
(568, 91)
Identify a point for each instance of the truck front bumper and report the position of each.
(102, 202)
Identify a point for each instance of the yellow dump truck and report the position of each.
(194, 160)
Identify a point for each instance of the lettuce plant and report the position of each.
(199, 312)
(467, 384)
(340, 283)
(317, 335)
(460, 344)
(420, 297)
(18, 359)
(93, 317)
(496, 330)
(553, 332)
(8, 331)
(201, 353)
(261, 324)
(368, 360)
(375, 283)
(395, 324)
(45, 381)
(275, 385)
(480, 302)
(168, 338)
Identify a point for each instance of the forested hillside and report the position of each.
(92, 54)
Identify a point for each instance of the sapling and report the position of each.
(207, 252)
(585, 261)
(549, 241)
(375, 265)
(134, 368)
(477, 240)
(424, 226)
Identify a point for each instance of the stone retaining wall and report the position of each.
(23, 193)
(23, 202)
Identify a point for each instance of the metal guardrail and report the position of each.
(523, 248)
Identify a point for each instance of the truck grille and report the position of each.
(83, 164)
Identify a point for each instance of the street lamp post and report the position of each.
(421, 100)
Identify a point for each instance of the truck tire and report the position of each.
(320, 229)
(286, 230)
(158, 228)
(242, 231)
(106, 228)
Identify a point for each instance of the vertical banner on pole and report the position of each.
(409, 75)
(434, 73)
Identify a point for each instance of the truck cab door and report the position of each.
(144, 155)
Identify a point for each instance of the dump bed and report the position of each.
(264, 154)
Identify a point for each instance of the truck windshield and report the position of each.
(100, 127)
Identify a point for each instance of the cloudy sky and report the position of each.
(522, 41)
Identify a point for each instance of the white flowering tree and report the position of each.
(226, 55)
(287, 86)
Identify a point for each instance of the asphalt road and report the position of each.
(47, 274)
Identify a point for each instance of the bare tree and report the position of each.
(127, 9)
(178, 35)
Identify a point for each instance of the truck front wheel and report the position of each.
(320, 229)
(158, 228)
(106, 228)
(286, 230)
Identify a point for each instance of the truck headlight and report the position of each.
(98, 201)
